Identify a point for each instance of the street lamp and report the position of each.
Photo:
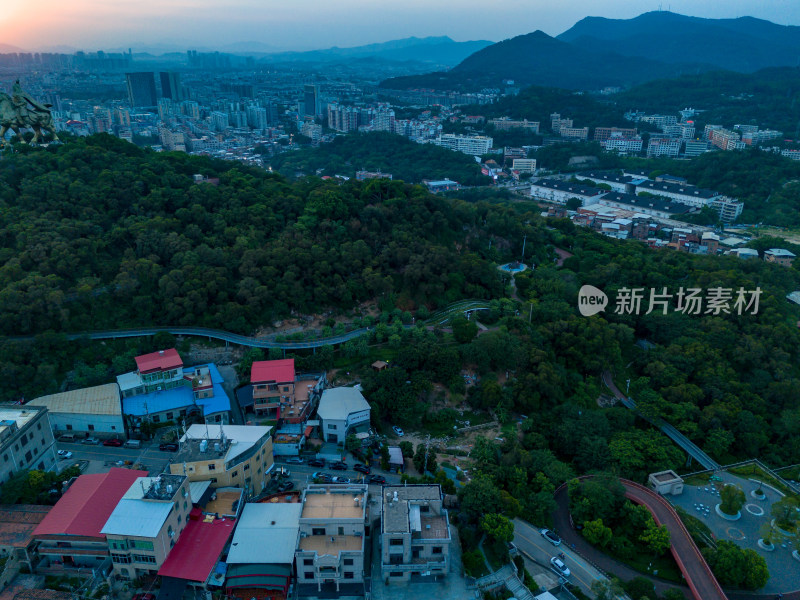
(627, 386)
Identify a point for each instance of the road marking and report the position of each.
(546, 551)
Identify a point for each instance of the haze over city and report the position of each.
(307, 24)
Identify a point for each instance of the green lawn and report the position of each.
(753, 471)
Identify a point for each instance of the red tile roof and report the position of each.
(198, 550)
(88, 504)
(17, 523)
(276, 371)
(159, 361)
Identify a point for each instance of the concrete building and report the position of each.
(171, 86)
(524, 165)
(233, 456)
(575, 133)
(342, 411)
(603, 133)
(779, 256)
(684, 194)
(415, 534)
(331, 540)
(94, 411)
(71, 533)
(263, 549)
(623, 145)
(311, 100)
(664, 147)
(147, 523)
(141, 89)
(693, 148)
(26, 440)
(553, 190)
(729, 209)
(468, 144)
(17, 524)
(647, 205)
(743, 253)
(273, 385)
(725, 139)
(506, 124)
(666, 482)
(618, 183)
(442, 185)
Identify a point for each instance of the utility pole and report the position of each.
(427, 445)
(524, 239)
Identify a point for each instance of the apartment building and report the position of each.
(468, 144)
(575, 133)
(603, 133)
(524, 165)
(147, 523)
(729, 209)
(664, 147)
(157, 371)
(725, 139)
(507, 124)
(273, 383)
(229, 456)
(331, 536)
(623, 145)
(415, 534)
(26, 440)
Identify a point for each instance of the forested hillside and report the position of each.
(385, 152)
(97, 233)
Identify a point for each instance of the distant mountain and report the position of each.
(745, 44)
(537, 58)
(9, 49)
(436, 50)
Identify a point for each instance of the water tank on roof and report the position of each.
(203, 445)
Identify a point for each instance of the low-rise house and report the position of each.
(230, 456)
(744, 253)
(779, 256)
(331, 541)
(147, 523)
(93, 411)
(342, 411)
(26, 440)
(17, 524)
(261, 558)
(72, 532)
(415, 535)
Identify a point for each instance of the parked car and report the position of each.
(362, 469)
(169, 447)
(398, 431)
(64, 454)
(115, 442)
(316, 462)
(550, 536)
(376, 479)
(338, 479)
(286, 486)
(338, 466)
(560, 567)
(91, 440)
(143, 596)
(326, 477)
(295, 460)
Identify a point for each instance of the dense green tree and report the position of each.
(737, 567)
(596, 533)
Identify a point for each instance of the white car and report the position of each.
(64, 454)
(560, 567)
(550, 536)
(295, 460)
(398, 431)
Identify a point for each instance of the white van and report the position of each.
(133, 444)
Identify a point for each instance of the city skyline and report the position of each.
(92, 25)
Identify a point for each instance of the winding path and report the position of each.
(701, 581)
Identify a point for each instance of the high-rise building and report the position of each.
(310, 100)
(171, 86)
(257, 117)
(141, 89)
(219, 120)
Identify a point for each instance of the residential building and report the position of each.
(415, 534)
(509, 153)
(273, 384)
(147, 523)
(725, 139)
(575, 133)
(364, 175)
(331, 540)
(342, 411)
(141, 89)
(744, 253)
(71, 533)
(93, 410)
(553, 190)
(623, 145)
(468, 144)
(791, 154)
(693, 148)
(659, 121)
(729, 209)
(779, 256)
(219, 120)
(556, 123)
(524, 165)
(506, 124)
(664, 147)
(17, 524)
(262, 553)
(311, 107)
(647, 205)
(171, 86)
(157, 371)
(26, 440)
(603, 133)
(233, 456)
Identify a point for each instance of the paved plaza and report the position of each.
(700, 501)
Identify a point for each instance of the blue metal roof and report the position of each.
(179, 398)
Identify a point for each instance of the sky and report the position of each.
(307, 24)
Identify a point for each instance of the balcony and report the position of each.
(417, 564)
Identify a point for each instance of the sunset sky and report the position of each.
(306, 24)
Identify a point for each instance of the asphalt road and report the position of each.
(301, 473)
(531, 543)
(154, 459)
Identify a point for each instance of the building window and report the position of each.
(424, 509)
(39, 426)
(396, 574)
(156, 419)
(396, 542)
(69, 427)
(318, 531)
(212, 467)
(307, 562)
(309, 574)
(41, 466)
(184, 505)
(436, 550)
(348, 562)
(113, 428)
(348, 575)
(141, 544)
(143, 558)
(42, 443)
(247, 467)
(235, 474)
(28, 456)
(180, 518)
(169, 416)
(331, 426)
(122, 559)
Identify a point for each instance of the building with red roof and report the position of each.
(273, 382)
(157, 371)
(17, 524)
(196, 554)
(163, 360)
(71, 533)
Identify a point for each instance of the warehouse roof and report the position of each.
(97, 400)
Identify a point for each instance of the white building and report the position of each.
(685, 194)
(664, 147)
(524, 165)
(623, 145)
(26, 440)
(93, 410)
(475, 144)
(551, 190)
(342, 411)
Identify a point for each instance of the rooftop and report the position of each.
(277, 522)
(675, 188)
(18, 522)
(88, 503)
(224, 502)
(401, 506)
(97, 400)
(334, 502)
(338, 403)
(177, 398)
(159, 361)
(645, 202)
(198, 549)
(239, 439)
(330, 544)
(144, 507)
(572, 188)
(779, 252)
(272, 371)
(14, 418)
